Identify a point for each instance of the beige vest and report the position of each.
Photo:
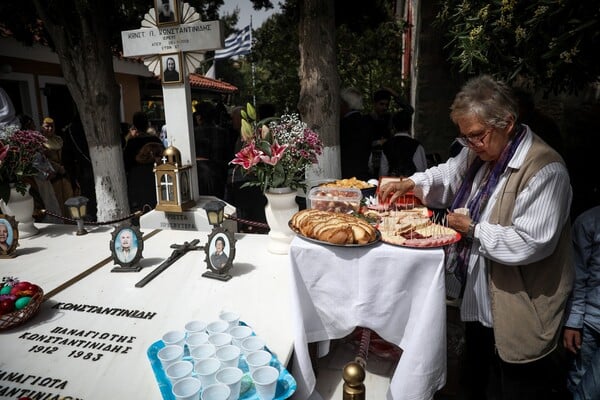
(528, 301)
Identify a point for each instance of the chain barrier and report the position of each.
(144, 211)
(73, 221)
(247, 221)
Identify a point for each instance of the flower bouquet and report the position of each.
(21, 157)
(277, 151)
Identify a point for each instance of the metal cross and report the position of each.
(180, 250)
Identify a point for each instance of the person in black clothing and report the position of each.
(355, 142)
(380, 126)
(138, 155)
(212, 152)
(540, 123)
(402, 154)
(79, 164)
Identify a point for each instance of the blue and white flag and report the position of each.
(237, 44)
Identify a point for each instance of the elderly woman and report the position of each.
(513, 266)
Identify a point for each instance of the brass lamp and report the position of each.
(78, 209)
(215, 212)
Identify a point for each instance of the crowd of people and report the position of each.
(379, 143)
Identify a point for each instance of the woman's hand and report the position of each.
(459, 222)
(390, 192)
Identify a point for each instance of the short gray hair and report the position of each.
(490, 100)
(353, 98)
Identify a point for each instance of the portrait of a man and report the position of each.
(126, 246)
(170, 72)
(6, 237)
(165, 10)
(219, 257)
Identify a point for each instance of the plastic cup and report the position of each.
(218, 326)
(206, 370)
(169, 354)
(179, 370)
(232, 377)
(252, 343)
(228, 355)
(187, 389)
(176, 338)
(239, 333)
(258, 359)
(196, 339)
(195, 326)
(265, 382)
(220, 339)
(232, 318)
(216, 391)
(202, 352)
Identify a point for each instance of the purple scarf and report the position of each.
(457, 255)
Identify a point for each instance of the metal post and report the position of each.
(354, 372)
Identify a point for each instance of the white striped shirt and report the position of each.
(540, 212)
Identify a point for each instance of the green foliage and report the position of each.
(550, 44)
(371, 59)
(369, 51)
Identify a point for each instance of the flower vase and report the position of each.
(281, 206)
(21, 207)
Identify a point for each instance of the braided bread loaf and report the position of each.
(333, 227)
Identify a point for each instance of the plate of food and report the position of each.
(410, 229)
(330, 228)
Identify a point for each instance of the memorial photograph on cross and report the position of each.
(171, 68)
(167, 12)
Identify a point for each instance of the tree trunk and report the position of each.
(82, 41)
(319, 82)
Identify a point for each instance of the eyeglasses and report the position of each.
(475, 139)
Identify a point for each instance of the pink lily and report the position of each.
(276, 154)
(248, 157)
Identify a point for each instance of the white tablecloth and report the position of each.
(397, 292)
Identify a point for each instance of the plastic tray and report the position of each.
(286, 384)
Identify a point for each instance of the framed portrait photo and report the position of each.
(170, 67)
(167, 12)
(126, 247)
(9, 236)
(220, 252)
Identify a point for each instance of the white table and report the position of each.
(397, 292)
(258, 291)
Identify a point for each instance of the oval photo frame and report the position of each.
(220, 251)
(9, 236)
(126, 247)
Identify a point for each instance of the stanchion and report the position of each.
(354, 372)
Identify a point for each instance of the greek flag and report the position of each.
(237, 44)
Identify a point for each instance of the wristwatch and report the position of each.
(471, 230)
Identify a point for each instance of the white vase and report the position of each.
(21, 207)
(281, 206)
